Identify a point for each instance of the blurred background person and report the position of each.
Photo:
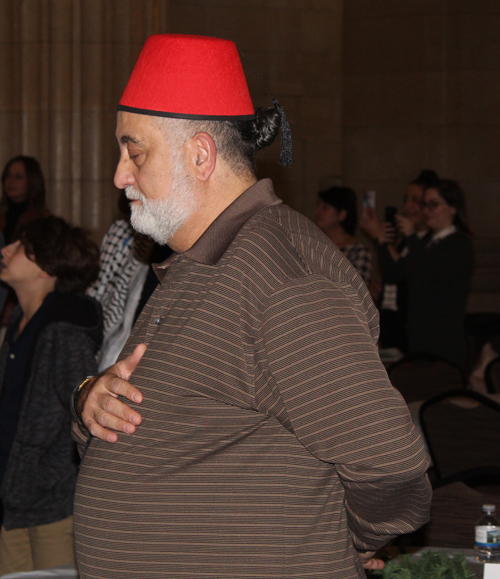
(23, 194)
(125, 282)
(337, 217)
(393, 301)
(23, 199)
(437, 270)
(49, 348)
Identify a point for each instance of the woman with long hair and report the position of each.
(23, 194)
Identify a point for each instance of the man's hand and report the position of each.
(369, 562)
(98, 403)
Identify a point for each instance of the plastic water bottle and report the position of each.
(487, 542)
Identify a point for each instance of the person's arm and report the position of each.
(342, 408)
(452, 263)
(393, 270)
(393, 265)
(72, 360)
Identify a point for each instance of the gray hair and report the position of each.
(236, 141)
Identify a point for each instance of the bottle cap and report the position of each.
(489, 508)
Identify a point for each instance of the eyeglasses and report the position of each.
(431, 204)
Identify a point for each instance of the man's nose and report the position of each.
(123, 175)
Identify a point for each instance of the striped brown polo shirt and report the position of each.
(272, 442)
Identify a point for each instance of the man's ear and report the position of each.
(202, 155)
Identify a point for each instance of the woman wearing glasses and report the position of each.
(393, 303)
(437, 270)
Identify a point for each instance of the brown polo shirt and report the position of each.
(272, 442)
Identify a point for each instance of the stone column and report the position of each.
(63, 67)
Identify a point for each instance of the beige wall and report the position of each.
(422, 90)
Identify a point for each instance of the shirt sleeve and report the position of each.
(339, 403)
(75, 361)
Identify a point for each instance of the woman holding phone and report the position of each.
(437, 270)
(393, 303)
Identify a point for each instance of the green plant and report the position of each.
(430, 565)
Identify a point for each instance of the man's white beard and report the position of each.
(161, 218)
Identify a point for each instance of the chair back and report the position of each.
(462, 431)
(422, 376)
(492, 376)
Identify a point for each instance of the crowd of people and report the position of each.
(425, 257)
(226, 434)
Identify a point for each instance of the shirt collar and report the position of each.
(215, 240)
(444, 233)
(212, 244)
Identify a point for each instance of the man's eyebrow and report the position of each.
(129, 139)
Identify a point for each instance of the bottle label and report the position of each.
(487, 536)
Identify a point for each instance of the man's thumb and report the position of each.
(129, 364)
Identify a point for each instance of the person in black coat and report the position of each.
(49, 348)
(393, 301)
(437, 270)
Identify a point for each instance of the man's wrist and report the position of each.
(76, 397)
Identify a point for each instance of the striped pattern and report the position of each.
(272, 441)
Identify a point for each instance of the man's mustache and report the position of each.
(132, 194)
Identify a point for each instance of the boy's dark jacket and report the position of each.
(40, 478)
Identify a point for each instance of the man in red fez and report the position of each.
(248, 429)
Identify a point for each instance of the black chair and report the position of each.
(492, 376)
(421, 376)
(462, 431)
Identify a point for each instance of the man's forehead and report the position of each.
(133, 127)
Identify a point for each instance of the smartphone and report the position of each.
(390, 215)
(369, 204)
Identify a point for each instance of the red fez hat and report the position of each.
(188, 77)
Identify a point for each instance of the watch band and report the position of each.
(75, 396)
(87, 379)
